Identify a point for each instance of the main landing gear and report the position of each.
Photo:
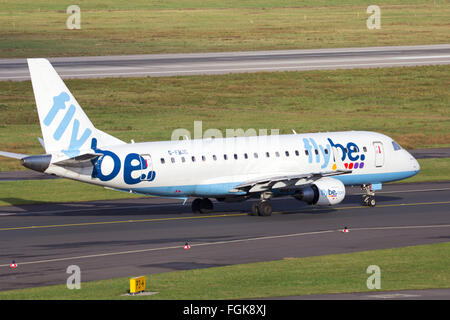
(369, 197)
(203, 205)
(263, 207)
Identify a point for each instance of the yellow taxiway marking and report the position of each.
(218, 215)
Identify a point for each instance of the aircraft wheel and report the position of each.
(366, 200)
(371, 202)
(206, 205)
(265, 209)
(196, 204)
(255, 209)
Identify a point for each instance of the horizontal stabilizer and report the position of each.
(13, 155)
(79, 161)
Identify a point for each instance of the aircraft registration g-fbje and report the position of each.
(313, 167)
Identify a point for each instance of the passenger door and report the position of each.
(147, 173)
(379, 154)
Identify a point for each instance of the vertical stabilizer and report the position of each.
(65, 127)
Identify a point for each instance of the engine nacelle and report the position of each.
(323, 192)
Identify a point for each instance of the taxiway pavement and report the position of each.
(125, 238)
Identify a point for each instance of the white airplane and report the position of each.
(313, 167)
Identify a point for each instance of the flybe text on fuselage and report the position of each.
(133, 162)
(351, 151)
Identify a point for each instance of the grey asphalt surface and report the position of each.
(126, 238)
(162, 65)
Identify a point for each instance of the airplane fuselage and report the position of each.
(213, 167)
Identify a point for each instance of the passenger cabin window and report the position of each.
(183, 159)
(214, 157)
(267, 155)
(235, 156)
(326, 151)
(172, 159)
(364, 149)
(297, 153)
(307, 152)
(255, 155)
(316, 151)
(163, 161)
(286, 153)
(396, 146)
(245, 156)
(225, 157)
(203, 158)
(193, 159)
(277, 153)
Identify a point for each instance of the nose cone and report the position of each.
(37, 163)
(413, 164)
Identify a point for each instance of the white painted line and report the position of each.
(180, 247)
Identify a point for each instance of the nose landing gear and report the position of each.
(262, 208)
(369, 197)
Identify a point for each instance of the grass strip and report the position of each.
(38, 28)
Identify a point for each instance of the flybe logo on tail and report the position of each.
(351, 156)
(59, 104)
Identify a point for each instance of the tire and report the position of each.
(366, 200)
(255, 209)
(196, 204)
(265, 209)
(372, 202)
(206, 206)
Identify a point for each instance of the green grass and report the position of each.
(418, 267)
(431, 170)
(409, 104)
(38, 28)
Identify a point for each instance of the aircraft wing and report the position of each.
(291, 182)
(286, 182)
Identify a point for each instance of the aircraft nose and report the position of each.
(414, 164)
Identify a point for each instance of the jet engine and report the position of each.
(323, 192)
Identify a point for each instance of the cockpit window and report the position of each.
(396, 146)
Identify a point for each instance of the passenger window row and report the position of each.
(246, 156)
(235, 156)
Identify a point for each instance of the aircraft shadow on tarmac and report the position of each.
(137, 242)
(142, 207)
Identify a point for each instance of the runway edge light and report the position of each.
(13, 265)
(137, 285)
